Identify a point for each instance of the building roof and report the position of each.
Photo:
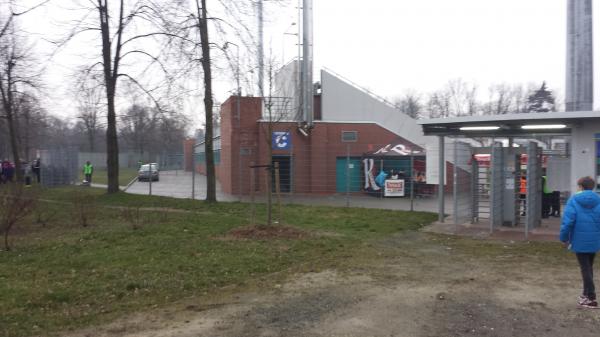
(509, 124)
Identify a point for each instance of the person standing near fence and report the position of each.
(88, 170)
(35, 167)
(8, 171)
(580, 231)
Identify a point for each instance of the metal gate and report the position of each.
(462, 174)
(481, 192)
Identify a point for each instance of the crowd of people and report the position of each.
(30, 171)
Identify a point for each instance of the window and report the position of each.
(349, 136)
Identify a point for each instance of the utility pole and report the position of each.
(307, 62)
(261, 49)
(580, 56)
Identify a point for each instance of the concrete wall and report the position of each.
(343, 101)
(287, 86)
(583, 154)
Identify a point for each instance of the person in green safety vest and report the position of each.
(546, 198)
(88, 170)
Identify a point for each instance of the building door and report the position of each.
(285, 173)
(347, 168)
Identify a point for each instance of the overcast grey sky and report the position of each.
(392, 45)
(389, 46)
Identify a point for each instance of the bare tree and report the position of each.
(138, 126)
(410, 104)
(6, 20)
(191, 22)
(457, 98)
(439, 105)
(202, 25)
(31, 122)
(15, 204)
(278, 107)
(133, 33)
(90, 109)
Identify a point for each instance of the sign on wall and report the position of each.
(281, 140)
(394, 188)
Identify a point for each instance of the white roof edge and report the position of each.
(512, 117)
(371, 122)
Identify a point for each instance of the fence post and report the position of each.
(193, 176)
(150, 179)
(269, 191)
(455, 184)
(441, 182)
(278, 191)
(252, 188)
(291, 172)
(412, 181)
(240, 172)
(347, 175)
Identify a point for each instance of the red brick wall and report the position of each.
(188, 150)
(238, 134)
(314, 157)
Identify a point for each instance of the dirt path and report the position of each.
(417, 285)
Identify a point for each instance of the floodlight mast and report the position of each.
(306, 84)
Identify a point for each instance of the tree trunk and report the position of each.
(91, 138)
(112, 146)
(14, 144)
(110, 79)
(12, 129)
(211, 195)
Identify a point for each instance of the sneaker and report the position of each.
(587, 303)
(581, 299)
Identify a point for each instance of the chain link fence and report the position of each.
(59, 166)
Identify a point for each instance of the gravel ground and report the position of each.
(417, 284)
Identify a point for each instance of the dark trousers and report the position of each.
(555, 203)
(523, 198)
(546, 198)
(88, 178)
(586, 263)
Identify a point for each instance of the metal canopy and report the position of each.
(507, 125)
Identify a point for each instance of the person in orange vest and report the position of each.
(523, 194)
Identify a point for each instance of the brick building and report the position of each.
(348, 123)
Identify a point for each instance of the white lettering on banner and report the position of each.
(394, 188)
(399, 149)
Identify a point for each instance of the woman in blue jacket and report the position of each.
(580, 229)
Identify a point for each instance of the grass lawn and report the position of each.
(63, 276)
(101, 176)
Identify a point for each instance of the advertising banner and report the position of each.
(394, 188)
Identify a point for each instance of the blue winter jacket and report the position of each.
(581, 222)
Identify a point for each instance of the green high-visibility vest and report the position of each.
(87, 169)
(545, 187)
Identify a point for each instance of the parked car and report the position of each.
(148, 171)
